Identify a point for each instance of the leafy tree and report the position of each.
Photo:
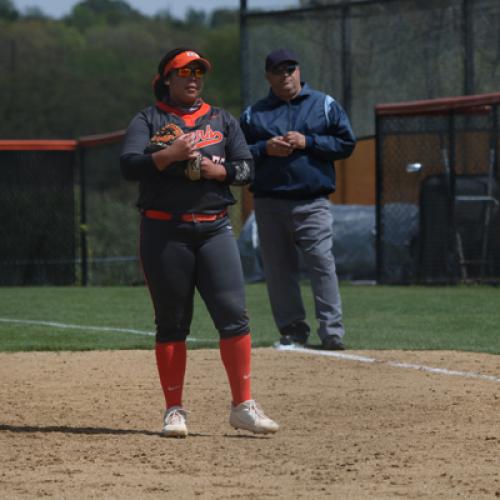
(8, 11)
(221, 17)
(83, 75)
(223, 85)
(196, 18)
(101, 12)
(34, 13)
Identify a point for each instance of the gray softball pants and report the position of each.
(179, 257)
(283, 225)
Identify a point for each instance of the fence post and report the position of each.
(244, 51)
(379, 264)
(468, 40)
(346, 59)
(246, 199)
(83, 216)
(452, 234)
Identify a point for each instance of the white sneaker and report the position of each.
(249, 416)
(175, 422)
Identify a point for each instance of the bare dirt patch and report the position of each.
(86, 425)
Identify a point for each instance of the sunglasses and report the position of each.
(284, 70)
(188, 72)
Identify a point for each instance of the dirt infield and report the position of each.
(85, 425)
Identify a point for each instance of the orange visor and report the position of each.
(183, 59)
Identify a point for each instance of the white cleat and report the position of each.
(250, 417)
(174, 423)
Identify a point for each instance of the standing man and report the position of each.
(295, 134)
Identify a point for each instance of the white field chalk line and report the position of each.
(82, 327)
(340, 355)
(74, 327)
(397, 364)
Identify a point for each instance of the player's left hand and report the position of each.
(296, 140)
(211, 170)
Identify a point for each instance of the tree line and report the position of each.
(91, 71)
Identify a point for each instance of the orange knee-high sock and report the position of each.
(171, 361)
(236, 353)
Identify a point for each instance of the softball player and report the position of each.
(185, 154)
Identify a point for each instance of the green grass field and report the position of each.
(377, 317)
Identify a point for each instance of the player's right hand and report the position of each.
(182, 148)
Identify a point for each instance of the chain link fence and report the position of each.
(37, 211)
(111, 219)
(366, 53)
(432, 224)
(438, 196)
(67, 215)
(112, 225)
(69, 218)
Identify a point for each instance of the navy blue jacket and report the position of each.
(305, 173)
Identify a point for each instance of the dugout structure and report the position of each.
(438, 190)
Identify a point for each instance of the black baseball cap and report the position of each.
(279, 56)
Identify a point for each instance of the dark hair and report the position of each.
(159, 88)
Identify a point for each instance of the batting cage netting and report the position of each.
(438, 196)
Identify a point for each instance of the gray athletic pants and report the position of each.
(179, 257)
(283, 225)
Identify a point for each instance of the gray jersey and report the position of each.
(218, 136)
